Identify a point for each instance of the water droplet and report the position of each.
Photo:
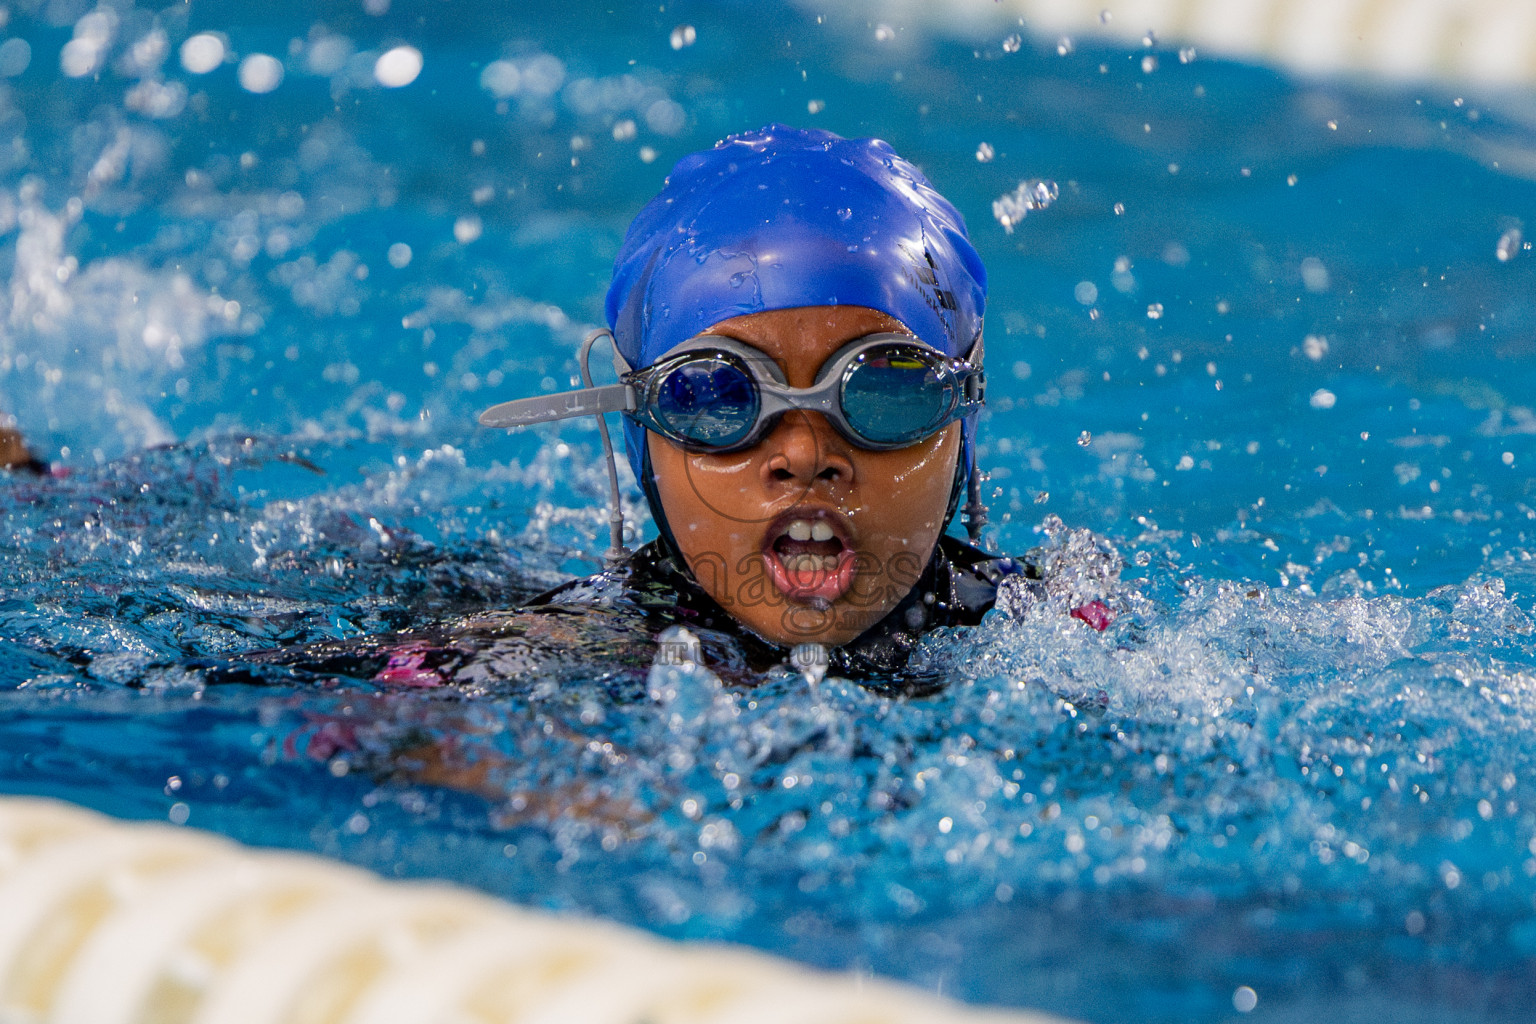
(1119, 209)
(1314, 275)
(816, 106)
(884, 33)
(1042, 497)
(844, 214)
(260, 73)
(1244, 999)
(1509, 245)
(683, 35)
(1322, 398)
(1155, 311)
(1086, 293)
(1084, 439)
(1105, 17)
(1186, 55)
(1033, 194)
(984, 152)
(466, 229)
(1315, 346)
(203, 52)
(1064, 46)
(1290, 179)
(397, 67)
(1150, 39)
(1012, 43)
(1149, 63)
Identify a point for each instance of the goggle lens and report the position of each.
(708, 400)
(896, 395)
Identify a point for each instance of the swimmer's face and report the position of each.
(807, 537)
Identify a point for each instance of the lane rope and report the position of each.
(109, 922)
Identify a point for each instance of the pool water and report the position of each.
(1270, 344)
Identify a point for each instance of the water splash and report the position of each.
(1033, 194)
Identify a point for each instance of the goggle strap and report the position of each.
(548, 408)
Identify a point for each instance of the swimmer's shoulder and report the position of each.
(975, 576)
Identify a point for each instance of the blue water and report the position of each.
(1297, 763)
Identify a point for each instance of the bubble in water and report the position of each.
(1509, 245)
(844, 213)
(397, 67)
(1032, 194)
(624, 130)
(816, 106)
(467, 228)
(1064, 46)
(1084, 439)
(1244, 999)
(884, 33)
(1150, 39)
(984, 152)
(1012, 43)
(1119, 208)
(1105, 17)
(260, 73)
(1322, 398)
(683, 35)
(1315, 346)
(1149, 64)
(1186, 55)
(1086, 293)
(399, 255)
(1155, 311)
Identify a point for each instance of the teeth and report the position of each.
(800, 530)
(811, 563)
(820, 530)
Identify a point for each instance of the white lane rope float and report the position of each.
(107, 922)
(1478, 42)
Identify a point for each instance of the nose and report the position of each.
(803, 450)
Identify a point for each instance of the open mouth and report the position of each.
(809, 558)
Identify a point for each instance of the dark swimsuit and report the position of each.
(956, 588)
(599, 622)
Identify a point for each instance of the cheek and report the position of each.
(924, 471)
(704, 497)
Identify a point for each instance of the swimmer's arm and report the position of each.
(14, 453)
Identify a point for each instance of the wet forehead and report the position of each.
(801, 339)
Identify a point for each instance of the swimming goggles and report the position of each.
(717, 394)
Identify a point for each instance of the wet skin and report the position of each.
(13, 450)
(732, 514)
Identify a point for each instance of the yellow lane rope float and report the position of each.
(106, 922)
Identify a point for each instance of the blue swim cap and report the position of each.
(784, 217)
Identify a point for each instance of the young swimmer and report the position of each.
(798, 318)
(797, 326)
